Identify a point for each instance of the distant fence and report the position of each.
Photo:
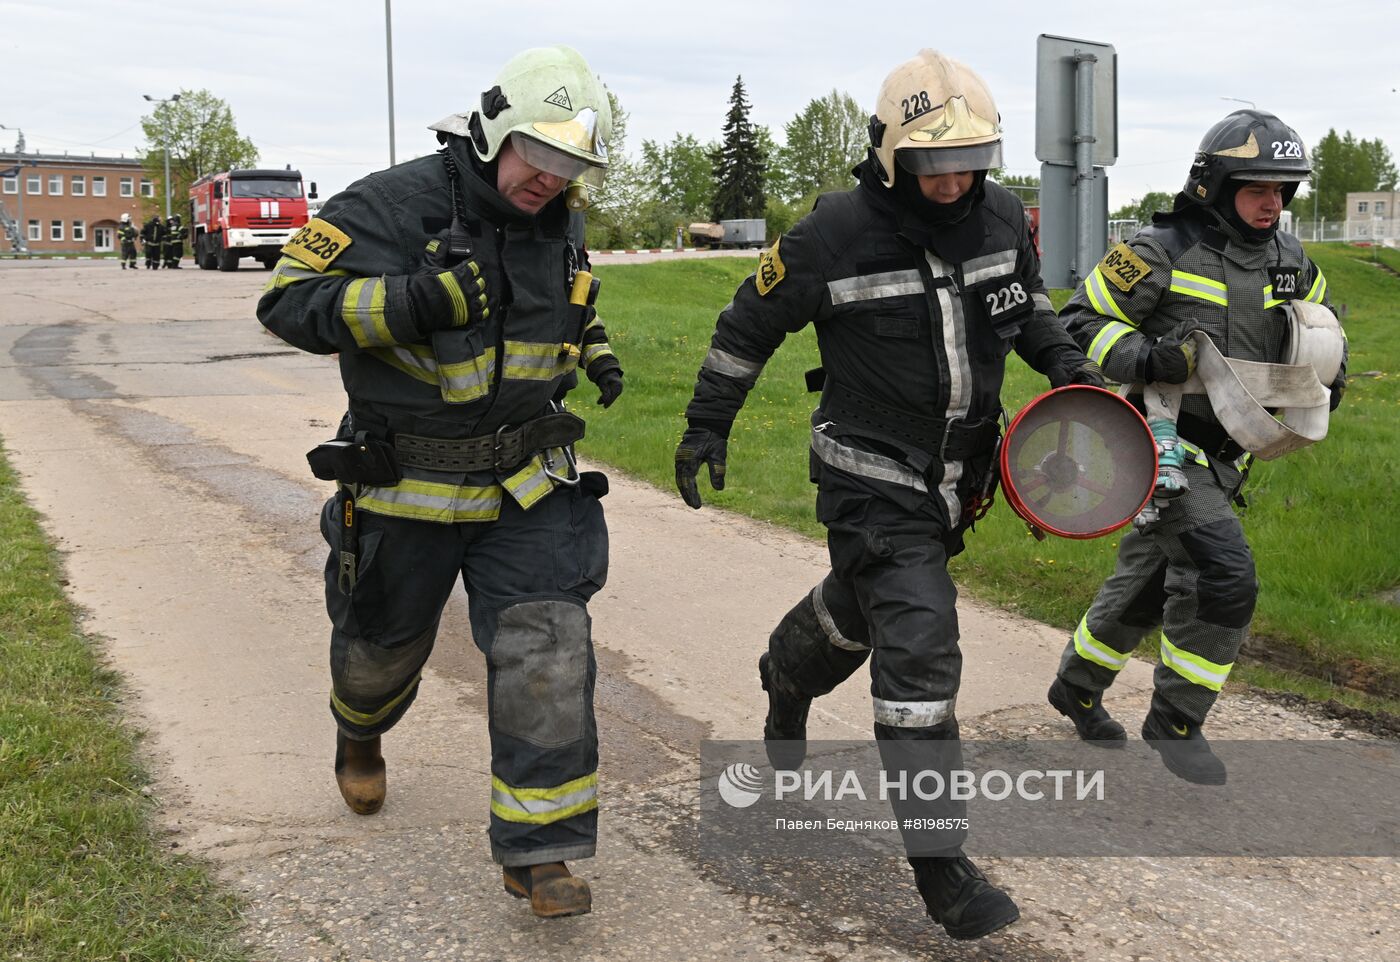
(1365, 231)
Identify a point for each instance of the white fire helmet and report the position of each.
(934, 115)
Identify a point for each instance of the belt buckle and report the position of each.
(497, 446)
(947, 433)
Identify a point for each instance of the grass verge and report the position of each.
(83, 874)
(1323, 535)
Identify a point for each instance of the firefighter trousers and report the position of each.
(888, 598)
(528, 576)
(1190, 578)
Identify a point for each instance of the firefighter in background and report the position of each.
(459, 460)
(175, 234)
(1219, 264)
(126, 234)
(919, 282)
(153, 240)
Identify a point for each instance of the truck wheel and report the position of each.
(205, 253)
(269, 262)
(228, 260)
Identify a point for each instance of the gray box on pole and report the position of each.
(1055, 64)
(1059, 225)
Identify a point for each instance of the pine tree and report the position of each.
(739, 163)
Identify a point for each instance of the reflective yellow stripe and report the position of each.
(1197, 455)
(454, 291)
(530, 483)
(1091, 649)
(1194, 668)
(541, 806)
(373, 718)
(289, 271)
(1105, 339)
(592, 352)
(1269, 299)
(531, 361)
(434, 501)
(1318, 290)
(415, 360)
(1194, 285)
(362, 309)
(468, 380)
(1097, 289)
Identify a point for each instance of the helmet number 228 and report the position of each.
(1287, 148)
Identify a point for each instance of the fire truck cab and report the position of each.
(245, 213)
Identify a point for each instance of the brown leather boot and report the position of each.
(359, 771)
(552, 891)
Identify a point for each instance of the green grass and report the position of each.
(83, 874)
(1320, 521)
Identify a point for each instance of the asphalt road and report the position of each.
(161, 433)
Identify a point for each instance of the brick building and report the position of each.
(73, 203)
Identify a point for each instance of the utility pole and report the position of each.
(389, 60)
(166, 149)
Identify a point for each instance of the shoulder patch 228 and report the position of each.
(770, 269)
(317, 244)
(1123, 268)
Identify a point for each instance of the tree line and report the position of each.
(745, 174)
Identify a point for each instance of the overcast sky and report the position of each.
(308, 83)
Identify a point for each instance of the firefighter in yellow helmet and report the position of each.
(919, 282)
(447, 285)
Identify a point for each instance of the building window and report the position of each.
(79, 230)
(56, 185)
(11, 185)
(126, 189)
(99, 186)
(33, 184)
(1361, 207)
(78, 186)
(34, 231)
(55, 230)
(1380, 207)
(148, 189)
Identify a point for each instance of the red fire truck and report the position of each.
(245, 213)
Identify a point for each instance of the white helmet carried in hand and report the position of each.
(553, 109)
(934, 115)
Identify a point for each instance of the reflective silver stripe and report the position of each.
(868, 287)
(865, 464)
(912, 714)
(722, 362)
(987, 266)
(833, 634)
(433, 501)
(1042, 302)
(468, 380)
(411, 359)
(959, 377)
(543, 806)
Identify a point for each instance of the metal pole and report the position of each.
(22, 233)
(166, 125)
(1083, 163)
(389, 60)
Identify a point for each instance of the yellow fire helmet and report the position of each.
(933, 115)
(553, 109)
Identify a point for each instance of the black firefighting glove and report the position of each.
(1172, 361)
(703, 443)
(607, 374)
(1336, 389)
(1087, 373)
(444, 295)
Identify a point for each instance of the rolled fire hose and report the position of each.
(1241, 392)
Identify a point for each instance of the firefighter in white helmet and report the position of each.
(127, 234)
(447, 285)
(919, 282)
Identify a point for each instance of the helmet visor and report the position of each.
(1294, 176)
(553, 161)
(949, 160)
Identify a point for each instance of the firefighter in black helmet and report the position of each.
(918, 282)
(1217, 263)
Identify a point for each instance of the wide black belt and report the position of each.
(956, 439)
(505, 449)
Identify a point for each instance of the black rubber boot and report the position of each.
(359, 773)
(959, 897)
(1183, 748)
(1085, 709)
(785, 727)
